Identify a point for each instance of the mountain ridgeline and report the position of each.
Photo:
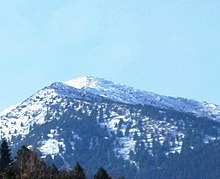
(131, 133)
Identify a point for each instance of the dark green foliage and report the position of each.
(5, 155)
(193, 163)
(63, 174)
(101, 174)
(203, 161)
(9, 173)
(53, 172)
(77, 172)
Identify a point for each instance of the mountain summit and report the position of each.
(88, 82)
(101, 123)
(104, 89)
(130, 95)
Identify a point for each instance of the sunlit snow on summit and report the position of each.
(82, 82)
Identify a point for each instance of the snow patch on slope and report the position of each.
(51, 147)
(9, 109)
(20, 119)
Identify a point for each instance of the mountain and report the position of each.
(129, 95)
(101, 123)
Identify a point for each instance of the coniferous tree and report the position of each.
(78, 172)
(63, 174)
(9, 173)
(53, 171)
(101, 174)
(28, 164)
(5, 154)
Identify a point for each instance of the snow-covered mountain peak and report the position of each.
(93, 89)
(121, 93)
(94, 83)
(85, 82)
(106, 89)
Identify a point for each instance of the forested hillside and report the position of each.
(201, 161)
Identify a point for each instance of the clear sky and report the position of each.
(170, 47)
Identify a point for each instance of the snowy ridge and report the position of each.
(97, 89)
(26, 114)
(7, 110)
(130, 95)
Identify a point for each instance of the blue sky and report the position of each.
(167, 47)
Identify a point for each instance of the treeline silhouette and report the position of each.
(28, 165)
(200, 161)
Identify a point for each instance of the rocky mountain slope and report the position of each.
(129, 95)
(100, 123)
